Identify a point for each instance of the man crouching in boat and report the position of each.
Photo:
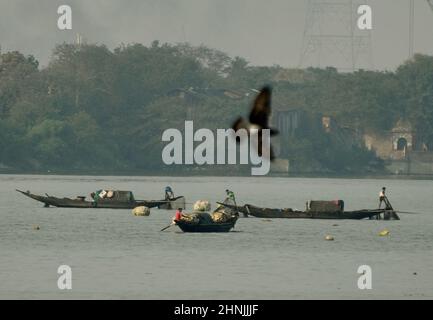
(169, 194)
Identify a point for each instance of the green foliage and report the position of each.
(416, 76)
(96, 109)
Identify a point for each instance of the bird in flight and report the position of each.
(259, 119)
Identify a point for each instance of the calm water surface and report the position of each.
(116, 255)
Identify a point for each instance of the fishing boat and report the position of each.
(114, 200)
(317, 210)
(206, 226)
(223, 219)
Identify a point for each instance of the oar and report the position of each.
(163, 229)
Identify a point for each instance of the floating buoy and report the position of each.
(36, 227)
(384, 233)
(141, 211)
(329, 238)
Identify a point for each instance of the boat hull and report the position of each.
(268, 213)
(101, 204)
(206, 228)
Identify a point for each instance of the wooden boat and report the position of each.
(119, 200)
(269, 213)
(205, 222)
(206, 227)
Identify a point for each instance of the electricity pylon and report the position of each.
(332, 37)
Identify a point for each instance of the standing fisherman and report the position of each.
(389, 213)
(382, 198)
(231, 195)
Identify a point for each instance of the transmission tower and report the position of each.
(430, 3)
(411, 27)
(332, 37)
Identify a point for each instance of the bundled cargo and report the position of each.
(326, 206)
(193, 218)
(141, 211)
(219, 216)
(202, 206)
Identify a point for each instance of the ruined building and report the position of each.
(402, 151)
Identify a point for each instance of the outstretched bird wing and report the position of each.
(240, 123)
(262, 108)
(259, 117)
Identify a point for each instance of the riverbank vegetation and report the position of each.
(96, 109)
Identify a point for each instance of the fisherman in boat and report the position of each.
(382, 197)
(178, 215)
(231, 195)
(169, 194)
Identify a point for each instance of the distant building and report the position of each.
(287, 123)
(393, 144)
(400, 148)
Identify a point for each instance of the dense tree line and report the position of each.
(96, 110)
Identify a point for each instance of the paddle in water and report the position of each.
(163, 229)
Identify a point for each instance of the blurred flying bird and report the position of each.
(259, 118)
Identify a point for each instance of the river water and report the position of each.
(113, 254)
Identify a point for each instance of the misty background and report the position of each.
(264, 32)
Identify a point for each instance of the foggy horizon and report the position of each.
(263, 151)
(264, 33)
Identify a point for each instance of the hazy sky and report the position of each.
(265, 32)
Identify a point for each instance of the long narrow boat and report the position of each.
(119, 200)
(206, 222)
(270, 213)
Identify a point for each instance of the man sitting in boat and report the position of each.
(169, 194)
(178, 215)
